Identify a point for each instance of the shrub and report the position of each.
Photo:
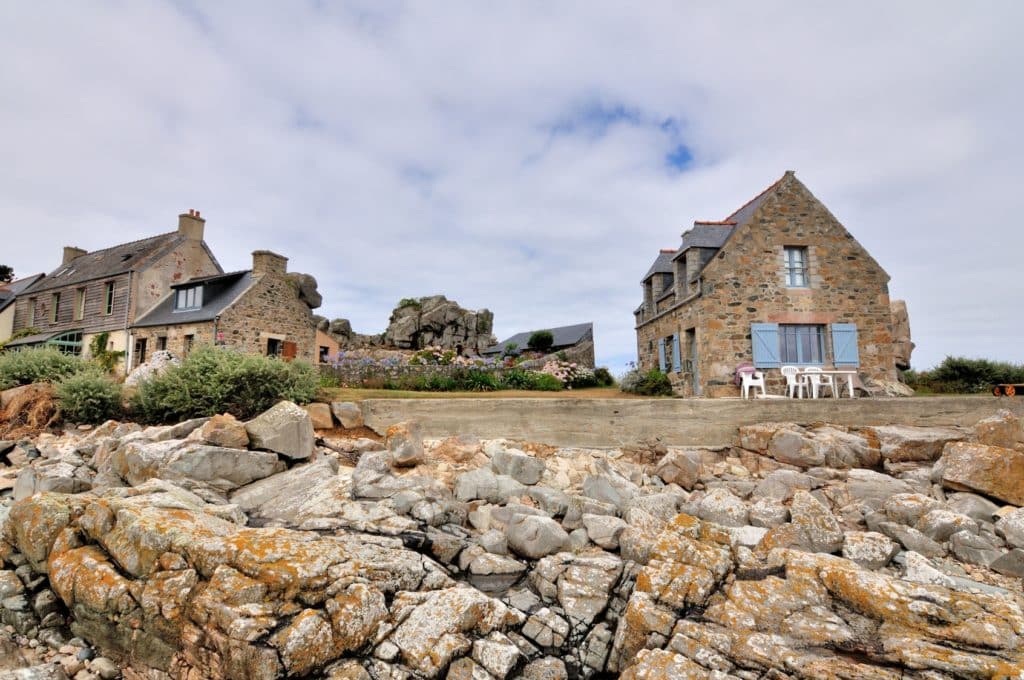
(541, 341)
(547, 383)
(41, 364)
(518, 379)
(409, 302)
(511, 350)
(89, 397)
(963, 375)
(654, 383)
(218, 380)
(604, 377)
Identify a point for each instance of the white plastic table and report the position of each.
(839, 374)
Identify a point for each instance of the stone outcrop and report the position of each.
(902, 345)
(436, 321)
(416, 323)
(803, 551)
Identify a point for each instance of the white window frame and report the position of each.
(796, 266)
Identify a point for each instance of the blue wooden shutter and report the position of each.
(844, 344)
(677, 364)
(765, 339)
(661, 354)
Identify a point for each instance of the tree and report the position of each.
(6, 273)
(541, 341)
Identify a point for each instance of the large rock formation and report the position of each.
(902, 345)
(804, 551)
(416, 323)
(437, 321)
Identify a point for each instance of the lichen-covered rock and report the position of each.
(817, 522)
(285, 428)
(901, 443)
(683, 467)
(992, 470)
(869, 549)
(225, 431)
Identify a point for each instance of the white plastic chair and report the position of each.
(753, 379)
(795, 383)
(813, 375)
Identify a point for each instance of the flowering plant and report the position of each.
(567, 372)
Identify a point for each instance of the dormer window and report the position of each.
(186, 299)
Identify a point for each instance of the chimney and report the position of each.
(190, 224)
(266, 262)
(71, 252)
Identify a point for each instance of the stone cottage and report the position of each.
(258, 311)
(778, 282)
(576, 341)
(107, 290)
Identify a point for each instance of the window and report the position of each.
(31, 311)
(54, 307)
(273, 347)
(79, 304)
(161, 342)
(324, 354)
(187, 344)
(68, 343)
(188, 298)
(108, 298)
(800, 344)
(796, 266)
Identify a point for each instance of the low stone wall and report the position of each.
(677, 422)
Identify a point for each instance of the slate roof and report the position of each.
(564, 336)
(218, 292)
(112, 261)
(662, 265)
(707, 234)
(9, 291)
(36, 339)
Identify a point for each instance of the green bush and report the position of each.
(89, 397)
(546, 382)
(518, 379)
(215, 380)
(541, 341)
(604, 377)
(42, 364)
(654, 383)
(102, 355)
(962, 375)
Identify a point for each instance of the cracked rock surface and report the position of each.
(218, 549)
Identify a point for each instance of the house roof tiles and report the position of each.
(218, 292)
(111, 261)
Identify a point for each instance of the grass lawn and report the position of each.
(354, 394)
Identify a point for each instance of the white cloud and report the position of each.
(403, 149)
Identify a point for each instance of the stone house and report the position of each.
(8, 294)
(778, 282)
(107, 290)
(258, 311)
(577, 341)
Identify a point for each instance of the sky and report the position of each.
(527, 157)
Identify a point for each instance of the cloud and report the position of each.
(529, 157)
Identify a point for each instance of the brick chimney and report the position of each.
(190, 224)
(266, 262)
(71, 252)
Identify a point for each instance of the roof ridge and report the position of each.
(717, 223)
(767, 189)
(126, 243)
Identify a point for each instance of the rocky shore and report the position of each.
(220, 549)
